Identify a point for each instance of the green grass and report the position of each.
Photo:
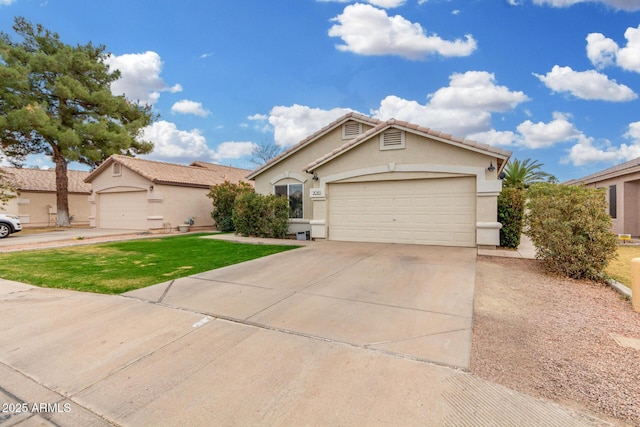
(620, 268)
(118, 267)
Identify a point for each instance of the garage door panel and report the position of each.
(435, 211)
(126, 210)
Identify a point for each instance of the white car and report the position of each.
(9, 224)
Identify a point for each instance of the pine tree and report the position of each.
(55, 99)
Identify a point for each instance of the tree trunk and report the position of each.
(62, 192)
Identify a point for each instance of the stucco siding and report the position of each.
(38, 209)
(627, 220)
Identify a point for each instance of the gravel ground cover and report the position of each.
(553, 338)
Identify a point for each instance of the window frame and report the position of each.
(289, 196)
(613, 201)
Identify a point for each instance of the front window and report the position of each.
(294, 193)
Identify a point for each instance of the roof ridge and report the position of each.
(613, 169)
(395, 122)
(350, 115)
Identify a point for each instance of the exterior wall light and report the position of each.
(491, 168)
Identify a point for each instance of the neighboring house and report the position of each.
(35, 203)
(622, 189)
(361, 179)
(136, 194)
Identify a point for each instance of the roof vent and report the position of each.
(351, 129)
(392, 139)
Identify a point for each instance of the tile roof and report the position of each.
(202, 174)
(349, 116)
(413, 128)
(26, 179)
(617, 170)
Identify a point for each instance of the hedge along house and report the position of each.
(136, 194)
(361, 179)
(621, 184)
(35, 202)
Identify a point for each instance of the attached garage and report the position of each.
(367, 180)
(421, 211)
(126, 210)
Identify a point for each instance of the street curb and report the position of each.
(622, 289)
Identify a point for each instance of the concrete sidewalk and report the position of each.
(74, 359)
(526, 250)
(79, 234)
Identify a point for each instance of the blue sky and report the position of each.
(553, 80)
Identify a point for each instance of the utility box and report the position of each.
(303, 235)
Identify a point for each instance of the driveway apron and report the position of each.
(410, 300)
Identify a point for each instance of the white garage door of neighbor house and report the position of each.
(123, 210)
(427, 211)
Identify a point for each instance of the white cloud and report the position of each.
(543, 135)
(634, 132)
(366, 30)
(189, 107)
(387, 4)
(629, 57)
(234, 150)
(458, 122)
(6, 2)
(140, 77)
(175, 145)
(496, 138)
(589, 85)
(603, 51)
(476, 90)
(533, 135)
(586, 152)
(180, 146)
(292, 124)
(462, 108)
(628, 5)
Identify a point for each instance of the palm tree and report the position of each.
(524, 173)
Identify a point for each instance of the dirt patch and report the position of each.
(553, 338)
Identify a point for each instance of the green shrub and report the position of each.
(224, 196)
(510, 215)
(571, 229)
(261, 216)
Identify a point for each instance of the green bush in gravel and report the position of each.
(510, 214)
(571, 229)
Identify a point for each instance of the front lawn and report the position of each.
(117, 267)
(620, 268)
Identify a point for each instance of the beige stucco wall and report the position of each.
(291, 171)
(421, 158)
(164, 204)
(38, 209)
(627, 220)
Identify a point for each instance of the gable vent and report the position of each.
(351, 130)
(392, 139)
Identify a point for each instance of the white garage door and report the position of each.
(427, 211)
(123, 210)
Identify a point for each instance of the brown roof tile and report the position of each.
(199, 174)
(26, 179)
(617, 170)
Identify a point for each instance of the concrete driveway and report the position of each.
(329, 334)
(411, 300)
